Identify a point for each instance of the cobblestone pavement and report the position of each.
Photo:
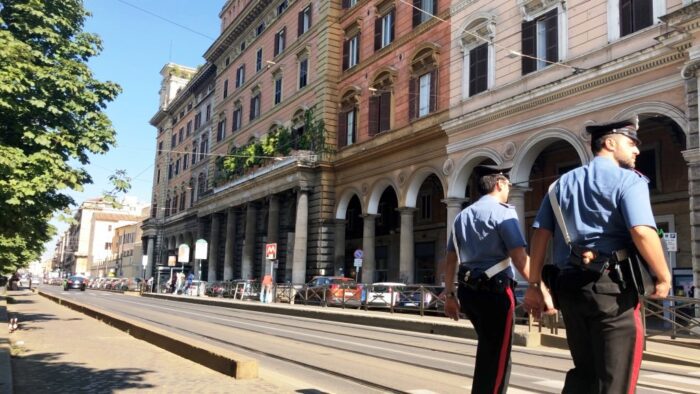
(58, 350)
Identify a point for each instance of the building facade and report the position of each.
(384, 108)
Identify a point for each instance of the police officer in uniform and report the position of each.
(484, 238)
(606, 210)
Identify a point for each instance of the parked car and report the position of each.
(215, 289)
(75, 282)
(383, 294)
(331, 290)
(426, 297)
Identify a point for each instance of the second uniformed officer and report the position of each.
(485, 237)
(605, 210)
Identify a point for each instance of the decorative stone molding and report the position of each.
(509, 150)
(364, 189)
(531, 9)
(448, 167)
(401, 179)
(480, 29)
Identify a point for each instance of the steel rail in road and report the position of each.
(255, 323)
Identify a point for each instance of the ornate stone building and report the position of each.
(411, 96)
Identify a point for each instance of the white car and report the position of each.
(384, 294)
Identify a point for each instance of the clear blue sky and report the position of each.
(136, 46)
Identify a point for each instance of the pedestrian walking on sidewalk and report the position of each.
(604, 208)
(485, 237)
(266, 291)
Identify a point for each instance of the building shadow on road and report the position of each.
(44, 372)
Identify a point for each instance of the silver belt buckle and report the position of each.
(466, 276)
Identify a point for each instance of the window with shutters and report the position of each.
(422, 86)
(173, 140)
(347, 122)
(305, 20)
(221, 130)
(181, 135)
(540, 41)
(280, 41)
(201, 183)
(189, 127)
(203, 147)
(303, 70)
(194, 151)
(186, 161)
(351, 47)
(423, 11)
(197, 120)
(255, 104)
(628, 16)
(298, 128)
(160, 147)
(349, 3)
(381, 104)
(237, 118)
(192, 191)
(226, 88)
(384, 28)
(208, 116)
(177, 166)
(478, 56)
(258, 60)
(183, 196)
(282, 6)
(278, 88)
(260, 29)
(240, 75)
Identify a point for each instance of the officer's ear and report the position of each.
(609, 142)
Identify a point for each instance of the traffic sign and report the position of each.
(200, 249)
(271, 251)
(671, 240)
(172, 261)
(144, 261)
(358, 263)
(358, 254)
(183, 253)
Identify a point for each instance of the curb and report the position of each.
(559, 342)
(220, 360)
(6, 386)
(520, 338)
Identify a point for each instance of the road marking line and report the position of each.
(555, 384)
(673, 378)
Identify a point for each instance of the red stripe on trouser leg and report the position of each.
(638, 349)
(503, 357)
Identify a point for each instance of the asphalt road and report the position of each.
(347, 358)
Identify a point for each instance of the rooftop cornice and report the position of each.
(235, 30)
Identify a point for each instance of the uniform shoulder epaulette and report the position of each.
(644, 177)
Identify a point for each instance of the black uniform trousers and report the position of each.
(604, 333)
(491, 313)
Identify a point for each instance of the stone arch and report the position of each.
(341, 209)
(410, 197)
(460, 177)
(180, 239)
(531, 149)
(657, 107)
(376, 194)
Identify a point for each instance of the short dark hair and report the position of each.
(488, 183)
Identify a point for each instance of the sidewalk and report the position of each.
(58, 350)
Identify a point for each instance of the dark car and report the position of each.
(76, 282)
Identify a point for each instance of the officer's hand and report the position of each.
(548, 303)
(452, 308)
(661, 290)
(534, 301)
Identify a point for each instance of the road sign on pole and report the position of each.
(200, 249)
(271, 251)
(358, 263)
(183, 253)
(358, 254)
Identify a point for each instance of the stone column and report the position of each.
(230, 243)
(200, 235)
(213, 246)
(368, 229)
(454, 207)
(149, 252)
(249, 242)
(301, 236)
(339, 260)
(407, 260)
(516, 197)
(692, 157)
(273, 220)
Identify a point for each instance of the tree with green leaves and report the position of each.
(51, 118)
